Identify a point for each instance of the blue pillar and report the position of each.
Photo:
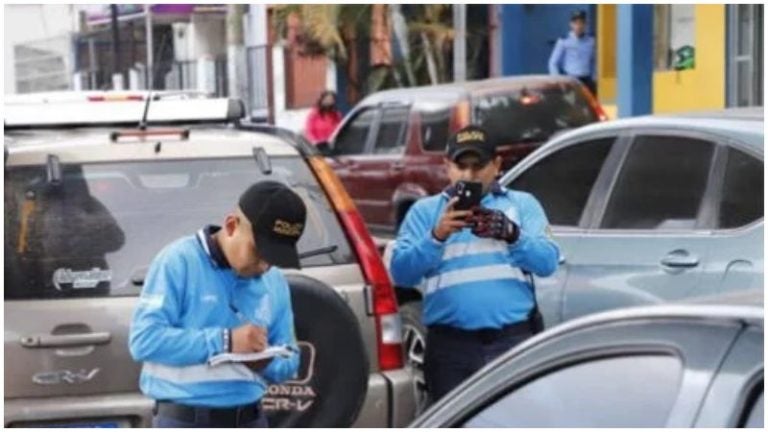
(634, 59)
(341, 89)
(512, 39)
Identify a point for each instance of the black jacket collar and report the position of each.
(211, 247)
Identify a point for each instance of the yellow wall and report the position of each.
(606, 53)
(704, 86)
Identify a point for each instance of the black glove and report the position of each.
(489, 223)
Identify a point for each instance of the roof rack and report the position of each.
(68, 96)
(84, 109)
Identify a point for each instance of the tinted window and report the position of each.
(612, 392)
(104, 224)
(435, 128)
(391, 136)
(661, 184)
(351, 140)
(532, 114)
(563, 180)
(742, 197)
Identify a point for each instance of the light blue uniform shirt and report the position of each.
(573, 56)
(470, 282)
(186, 303)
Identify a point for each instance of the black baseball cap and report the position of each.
(278, 216)
(471, 139)
(579, 15)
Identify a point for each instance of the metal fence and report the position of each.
(205, 75)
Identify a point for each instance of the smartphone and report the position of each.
(469, 194)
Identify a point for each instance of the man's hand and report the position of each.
(451, 221)
(249, 338)
(489, 223)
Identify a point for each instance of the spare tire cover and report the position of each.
(332, 381)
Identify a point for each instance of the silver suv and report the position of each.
(86, 210)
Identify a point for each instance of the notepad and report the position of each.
(271, 352)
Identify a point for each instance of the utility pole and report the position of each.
(150, 47)
(460, 42)
(236, 70)
(117, 79)
(400, 31)
(260, 90)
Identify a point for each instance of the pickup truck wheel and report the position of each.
(332, 381)
(414, 346)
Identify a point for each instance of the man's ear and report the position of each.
(230, 224)
(497, 163)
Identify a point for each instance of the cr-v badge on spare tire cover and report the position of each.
(333, 374)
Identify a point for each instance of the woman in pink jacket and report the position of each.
(323, 119)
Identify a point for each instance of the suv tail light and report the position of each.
(116, 98)
(462, 116)
(594, 104)
(388, 325)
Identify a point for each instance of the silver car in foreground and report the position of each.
(661, 366)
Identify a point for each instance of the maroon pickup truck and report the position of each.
(389, 149)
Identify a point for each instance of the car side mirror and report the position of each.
(324, 147)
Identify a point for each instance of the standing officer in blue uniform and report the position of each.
(476, 298)
(217, 292)
(574, 55)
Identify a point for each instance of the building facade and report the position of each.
(38, 47)
(650, 58)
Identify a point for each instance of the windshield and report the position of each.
(535, 114)
(96, 232)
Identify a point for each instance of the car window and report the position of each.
(742, 197)
(532, 114)
(95, 234)
(661, 184)
(352, 138)
(608, 392)
(563, 180)
(435, 127)
(390, 138)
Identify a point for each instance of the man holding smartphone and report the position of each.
(468, 254)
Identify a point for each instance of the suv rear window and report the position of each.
(532, 115)
(95, 233)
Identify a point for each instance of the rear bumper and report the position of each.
(390, 401)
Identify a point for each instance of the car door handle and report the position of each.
(680, 259)
(50, 341)
(398, 166)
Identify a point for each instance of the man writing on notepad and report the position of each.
(218, 292)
